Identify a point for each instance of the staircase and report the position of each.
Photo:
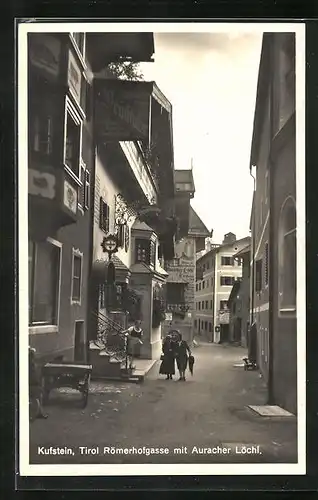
(108, 353)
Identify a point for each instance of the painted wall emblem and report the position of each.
(41, 184)
(70, 197)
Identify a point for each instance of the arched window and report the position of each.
(287, 257)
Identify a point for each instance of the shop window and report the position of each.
(258, 275)
(103, 215)
(175, 293)
(227, 280)
(77, 276)
(44, 282)
(143, 251)
(73, 139)
(287, 256)
(223, 305)
(227, 261)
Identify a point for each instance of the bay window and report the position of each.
(73, 139)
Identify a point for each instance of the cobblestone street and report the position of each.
(206, 411)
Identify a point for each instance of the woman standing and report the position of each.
(134, 335)
(182, 353)
(167, 366)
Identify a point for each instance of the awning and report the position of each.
(99, 271)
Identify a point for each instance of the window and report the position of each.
(266, 264)
(84, 188)
(175, 293)
(203, 285)
(44, 280)
(287, 256)
(223, 305)
(73, 139)
(202, 305)
(77, 276)
(104, 215)
(199, 286)
(42, 130)
(199, 304)
(79, 39)
(227, 261)
(258, 275)
(227, 280)
(152, 253)
(143, 251)
(206, 325)
(206, 304)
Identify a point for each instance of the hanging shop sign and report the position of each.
(224, 317)
(123, 109)
(74, 77)
(41, 184)
(45, 53)
(70, 197)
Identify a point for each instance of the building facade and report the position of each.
(180, 286)
(61, 177)
(217, 271)
(273, 222)
(135, 201)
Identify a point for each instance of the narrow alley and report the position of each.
(201, 417)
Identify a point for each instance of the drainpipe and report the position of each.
(270, 385)
(253, 248)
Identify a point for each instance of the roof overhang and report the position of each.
(104, 48)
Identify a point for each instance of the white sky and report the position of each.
(210, 80)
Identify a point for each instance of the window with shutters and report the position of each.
(84, 188)
(104, 216)
(258, 275)
(266, 265)
(143, 251)
(76, 276)
(73, 139)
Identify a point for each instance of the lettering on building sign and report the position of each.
(41, 184)
(74, 77)
(45, 53)
(70, 197)
(120, 111)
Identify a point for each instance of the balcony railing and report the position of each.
(181, 307)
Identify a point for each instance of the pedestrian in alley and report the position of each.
(35, 389)
(182, 354)
(134, 335)
(168, 357)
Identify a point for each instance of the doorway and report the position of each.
(79, 342)
(225, 333)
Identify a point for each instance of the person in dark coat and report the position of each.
(167, 366)
(182, 353)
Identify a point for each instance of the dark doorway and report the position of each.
(225, 333)
(79, 344)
